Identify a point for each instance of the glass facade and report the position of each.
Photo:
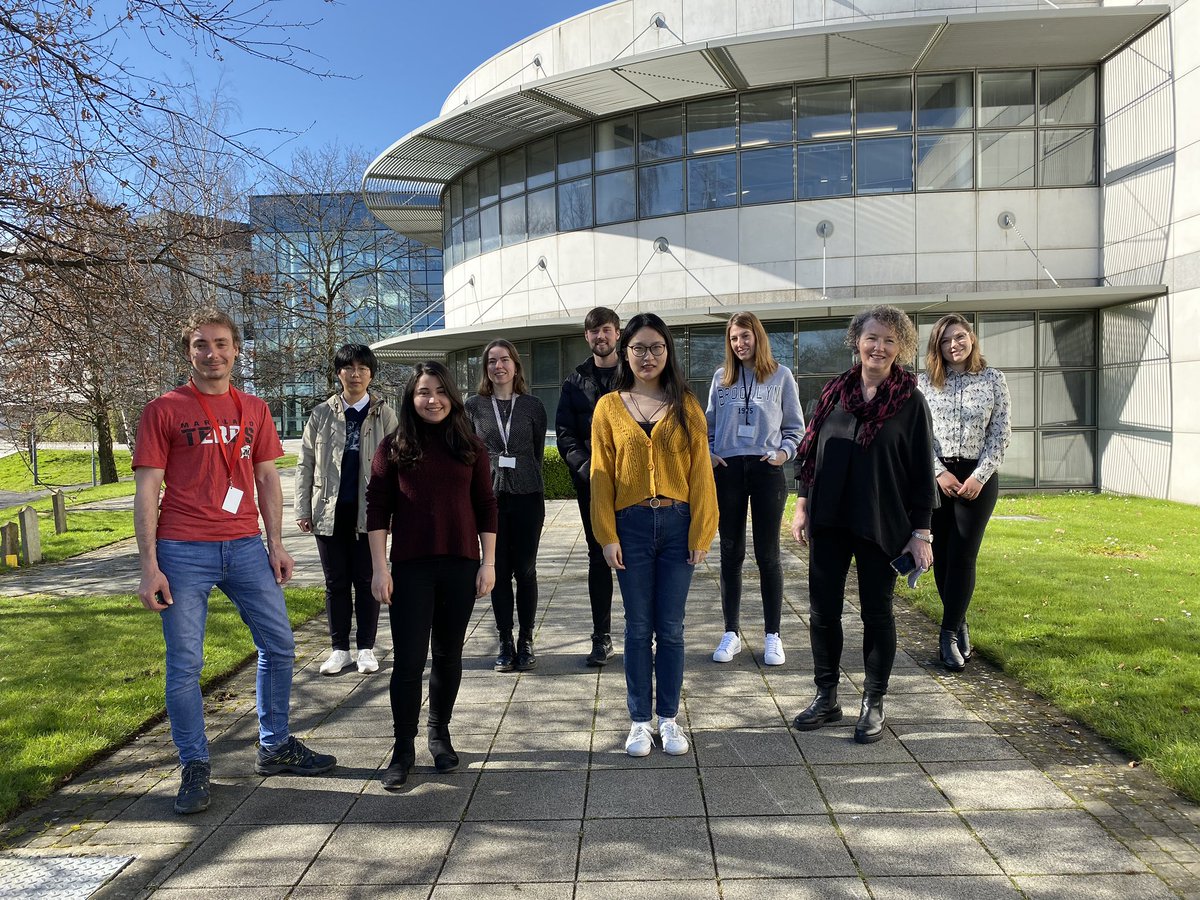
(997, 129)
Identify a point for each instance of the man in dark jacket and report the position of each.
(590, 381)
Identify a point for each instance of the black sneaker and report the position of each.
(295, 758)
(193, 788)
(602, 650)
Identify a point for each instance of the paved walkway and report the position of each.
(978, 790)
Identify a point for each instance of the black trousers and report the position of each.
(958, 527)
(518, 534)
(346, 561)
(432, 600)
(600, 578)
(829, 558)
(747, 481)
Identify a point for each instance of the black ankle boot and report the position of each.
(951, 656)
(821, 711)
(870, 721)
(964, 641)
(506, 659)
(526, 659)
(444, 757)
(404, 757)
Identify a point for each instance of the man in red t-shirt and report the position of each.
(215, 447)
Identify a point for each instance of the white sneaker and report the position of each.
(730, 646)
(673, 740)
(773, 650)
(338, 660)
(367, 663)
(640, 740)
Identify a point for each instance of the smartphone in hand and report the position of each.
(905, 565)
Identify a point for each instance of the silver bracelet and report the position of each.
(927, 538)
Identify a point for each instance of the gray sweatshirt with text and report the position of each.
(771, 420)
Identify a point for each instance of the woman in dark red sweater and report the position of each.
(431, 487)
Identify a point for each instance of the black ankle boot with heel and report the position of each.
(823, 710)
(949, 652)
(444, 757)
(404, 757)
(526, 659)
(869, 728)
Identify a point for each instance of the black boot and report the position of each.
(506, 659)
(444, 757)
(870, 721)
(404, 757)
(823, 710)
(526, 659)
(602, 650)
(964, 641)
(948, 650)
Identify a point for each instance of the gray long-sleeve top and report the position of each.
(773, 411)
(526, 441)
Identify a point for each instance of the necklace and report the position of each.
(641, 415)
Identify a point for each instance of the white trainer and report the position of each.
(640, 740)
(336, 661)
(730, 646)
(367, 663)
(674, 742)
(773, 654)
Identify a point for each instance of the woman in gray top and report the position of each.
(512, 423)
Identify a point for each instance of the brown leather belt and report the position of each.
(656, 502)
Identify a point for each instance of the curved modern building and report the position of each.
(1031, 165)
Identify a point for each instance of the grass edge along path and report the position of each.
(60, 718)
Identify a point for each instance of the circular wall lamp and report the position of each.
(662, 245)
(824, 229)
(1006, 220)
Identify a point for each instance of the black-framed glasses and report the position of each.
(640, 350)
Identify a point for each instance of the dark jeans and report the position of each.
(748, 481)
(958, 527)
(518, 533)
(432, 600)
(828, 564)
(600, 579)
(346, 560)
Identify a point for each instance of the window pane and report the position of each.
(701, 389)
(1068, 458)
(710, 125)
(575, 153)
(1019, 470)
(540, 206)
(489, 182)
(544, 365)
(706, 352)
(945, 162)
(823, 110)
(766, 117)
(884, 106)
(615, 197)
(712, 182)
(885, 165)
(489, 228)
(1067, 339)
(512, 173)
(1022, 387)
(614, 143)
(471, 236)
(945, 101)
(456, 209)
(782, 338)
(575, 204)
(1006, 159)
(540, 163)
(1068, 96)
(660, 134)
(822, 349)
(512, 220)
(1005, 99)
(767, 175)
(825, 170)
(809, 388)
(1068, 157)
(1069, 397)
(660, 189)
(470, 183)
(1007, 340)
(459, 243)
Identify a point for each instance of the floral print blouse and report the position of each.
(970, 419)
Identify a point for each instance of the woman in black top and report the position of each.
(512, 423)
(866, 489)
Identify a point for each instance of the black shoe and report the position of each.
(823, 710)
(870, 721)
(295, 758)
(948, 651)
(506, 659)
(403, 759)
(964, 641)
(444, 757)
(526, 659)
(602, 650)
(193, 788)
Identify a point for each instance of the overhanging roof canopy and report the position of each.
(403, 186)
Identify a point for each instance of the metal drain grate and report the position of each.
(56, 877)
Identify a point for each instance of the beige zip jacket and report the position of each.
(319, 470)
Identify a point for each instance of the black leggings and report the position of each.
(518, 533)
(748, 481)
(958, 527)
(600, 576)
(346, 560)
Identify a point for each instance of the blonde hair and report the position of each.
(764, 363)
(935, 363)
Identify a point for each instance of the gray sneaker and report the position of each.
(295, 758)
(193, 788)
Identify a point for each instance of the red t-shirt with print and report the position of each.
(175, 435)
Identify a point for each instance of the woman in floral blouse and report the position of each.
(970, 407)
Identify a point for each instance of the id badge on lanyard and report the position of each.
(233, 495)
(504, 460)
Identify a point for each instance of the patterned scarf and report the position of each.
(846, 389)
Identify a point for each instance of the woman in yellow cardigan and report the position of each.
(654, 511)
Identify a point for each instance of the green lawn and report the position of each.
(56, 468)
(85, 674)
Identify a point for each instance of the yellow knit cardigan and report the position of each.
(628, 467)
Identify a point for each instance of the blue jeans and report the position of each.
(240, 569)
(654, 589)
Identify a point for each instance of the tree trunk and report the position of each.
(104, 445)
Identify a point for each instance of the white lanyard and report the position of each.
(504, 427)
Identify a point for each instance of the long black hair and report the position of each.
(672, 380)
(456, 430)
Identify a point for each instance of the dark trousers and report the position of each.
(346, 561)
(518, 533)
(747, 481)
(828, 564)
(958, 527)
(600, 578)
(432, 600)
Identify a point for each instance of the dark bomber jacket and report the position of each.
(573, 420)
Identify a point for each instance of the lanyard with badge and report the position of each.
(745, 429)
(504, 460)
(233, 496)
